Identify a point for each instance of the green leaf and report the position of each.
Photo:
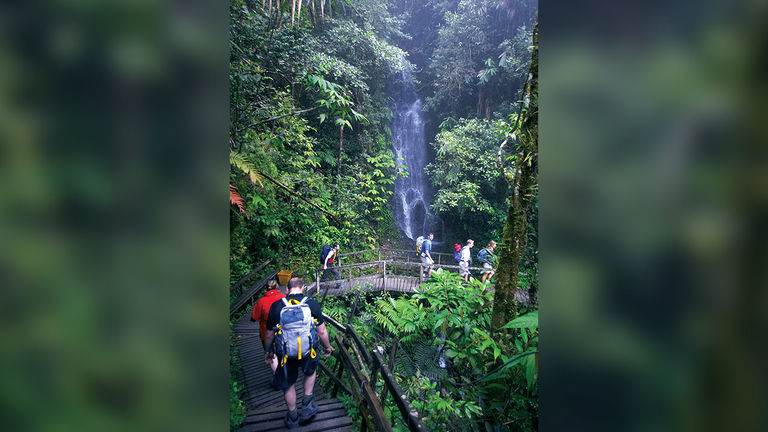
(529, 320)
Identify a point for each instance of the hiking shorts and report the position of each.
(426, 262)
(487, 268)
(286, 376)
(463, 268)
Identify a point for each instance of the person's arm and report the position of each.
(325, 264)
(268, 339)
(322, 331)
(429, 255)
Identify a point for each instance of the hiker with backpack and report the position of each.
(489, 259)
(295, 325)
(424, 249)
(326, 258)
(261, 313)
(465, 258)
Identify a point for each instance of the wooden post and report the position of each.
(374, 408)
(317, 280)
(339, 371)
(384, 277)
(410, 415)
(383, 396)
(354, 307)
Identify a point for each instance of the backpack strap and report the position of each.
(304, 300)
(285, 301)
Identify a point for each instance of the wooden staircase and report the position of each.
(265, 407)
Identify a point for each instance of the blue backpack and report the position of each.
(326, 251)
(483, 257)
(457, 253)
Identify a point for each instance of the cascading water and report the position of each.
(412, 193)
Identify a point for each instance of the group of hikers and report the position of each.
(291, 325)
(462, 255)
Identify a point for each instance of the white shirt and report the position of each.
(465, 254)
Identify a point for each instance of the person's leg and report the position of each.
(309, 383)
(308, 406)
(336, 276)
(290, 397)
(292, 416)
(285, 379)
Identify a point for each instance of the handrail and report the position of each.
(364, 386)
(409, 413)
(249, 275)
(245, 298)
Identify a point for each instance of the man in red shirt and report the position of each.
(261, 313)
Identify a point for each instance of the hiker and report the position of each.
(465, 258)
(328, 256)
(298, 307)
(487, 257)
(425, 252)
(261, 313)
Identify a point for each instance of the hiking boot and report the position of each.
(292, 421)
(308, 408)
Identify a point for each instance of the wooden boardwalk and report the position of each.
(265, 407)
(367, 283)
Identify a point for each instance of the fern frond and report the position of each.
(246, 165)
(236, 199)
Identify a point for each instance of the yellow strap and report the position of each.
(299, 338)
(285, 358)
(312, 353)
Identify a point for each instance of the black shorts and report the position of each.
(286, 376)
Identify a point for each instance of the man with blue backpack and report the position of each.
(327, 257)
(424, 249)
(295, 325)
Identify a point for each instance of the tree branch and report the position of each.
(281, 116)
(292, 193)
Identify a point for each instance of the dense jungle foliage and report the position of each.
(489, 380)
(312, 163)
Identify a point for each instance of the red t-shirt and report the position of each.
(261, 310)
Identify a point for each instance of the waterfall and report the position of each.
(412, 193)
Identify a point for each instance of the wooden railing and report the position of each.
(389, 273)
(363, 369)
(247, 297)
(379, 254)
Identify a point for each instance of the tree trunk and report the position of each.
(280, 15)
(298, 15)
(480, 101)
(313, 14)
(341, 148)
(524, 185)
(322, 11)
(293, 11)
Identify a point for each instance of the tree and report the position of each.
(470, 190)
(525, 184)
